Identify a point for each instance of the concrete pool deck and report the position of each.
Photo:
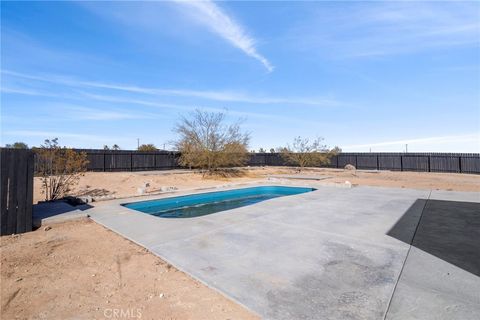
(335, 253)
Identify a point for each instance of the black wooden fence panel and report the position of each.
(257, 160)
(469, 164)
(17, 166)
(445, 164)
(96, 161)
(108, 160)
(389, 162)
(143, 161)
(366, 162)
(415, 163)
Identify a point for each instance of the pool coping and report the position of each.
(184, 192)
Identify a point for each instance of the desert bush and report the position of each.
(147, 147)
(17, 145)
(59, 168)
(206, 142)
(305, 153)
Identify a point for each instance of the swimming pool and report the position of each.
(201, 204)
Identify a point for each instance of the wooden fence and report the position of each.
(16, 190)
(425, 162)
(106, 160)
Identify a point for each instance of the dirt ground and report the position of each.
(80, 270)
(126, 184)
(412, 180)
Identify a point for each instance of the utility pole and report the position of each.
(138, 143)
(406, 147)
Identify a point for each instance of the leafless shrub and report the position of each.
(305, 153)
(59, 168)
(206, 142)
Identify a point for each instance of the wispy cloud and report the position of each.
(99, 114)
(157, 18)
(224, 96)
(219, 22)
(82, 113)
(142, 102)
(390, 28)
(147, 103)
(27, 92)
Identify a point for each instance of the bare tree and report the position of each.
(305, 153)
(115, 147)
(336, 150)
(206, 142)
(59, 168)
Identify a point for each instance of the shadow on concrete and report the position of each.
(46, 210)
(449, 230)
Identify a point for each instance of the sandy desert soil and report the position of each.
(413, 180)
(80, 270)
(125, 184)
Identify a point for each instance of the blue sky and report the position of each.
(363, 75)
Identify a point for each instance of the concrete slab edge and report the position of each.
(404, 262)
(180, 269)
(38, 222)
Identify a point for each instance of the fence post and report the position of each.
(29, 204)
(103, 161)
(378, 165)
(429, 163)
(460, 164)
(131, 160)
(16, 167)
(401, 163)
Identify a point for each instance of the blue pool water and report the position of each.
(206, 203)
